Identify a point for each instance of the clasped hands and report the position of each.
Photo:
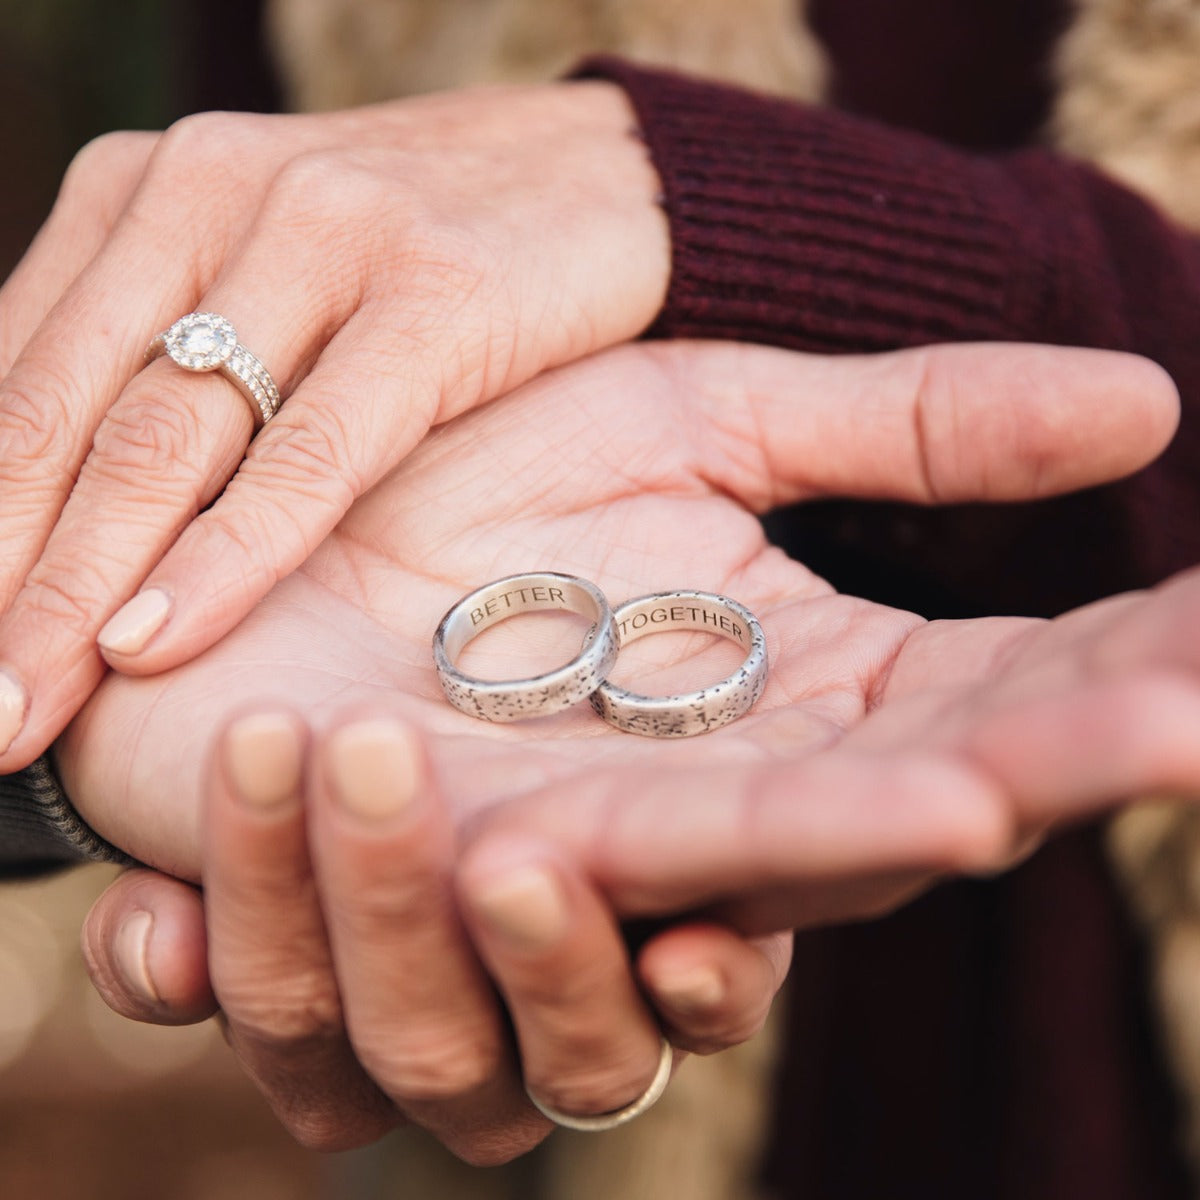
(374, 862)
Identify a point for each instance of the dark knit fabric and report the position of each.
(39, 828)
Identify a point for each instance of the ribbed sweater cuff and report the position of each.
(806, 227)
(40, 828)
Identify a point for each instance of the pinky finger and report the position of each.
(711, 987)
(145, 946)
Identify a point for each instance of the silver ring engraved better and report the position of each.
(540, 695)
(205, 341)
(619, 1116)
(689, 713)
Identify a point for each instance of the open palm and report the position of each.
(642, 470)
(862, 772)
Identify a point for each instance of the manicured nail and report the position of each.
(132, 948)
(526, 905)
(374, 767)
(691, 990)
(264, 759)
(133, 624)
(13, 706)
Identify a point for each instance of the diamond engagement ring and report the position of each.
(610, 1120)
(692, 712)
(208, 342)
(518, 699)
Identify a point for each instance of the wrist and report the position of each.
(624, 178)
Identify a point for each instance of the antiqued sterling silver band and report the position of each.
(518, 699)
(692, 712)
(619, 1116)
(204, 341)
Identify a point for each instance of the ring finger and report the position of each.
(166, 447)
(589, 1045)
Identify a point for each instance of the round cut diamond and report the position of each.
(200, 341)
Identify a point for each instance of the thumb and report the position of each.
(146, 951)
(936, 425)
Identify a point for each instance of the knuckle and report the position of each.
(207, 137)
(144, 431)
(104, 162)
(321, 187)
(264, 544)
(290, 1015)
(31, 427)
(67, 603)
(428, 1065)
(312, 462)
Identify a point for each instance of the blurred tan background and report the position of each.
(93, 1107)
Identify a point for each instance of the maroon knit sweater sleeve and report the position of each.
(824, 231)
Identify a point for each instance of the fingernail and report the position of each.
(374, 767)
(13, 706)
(692, 990)
(526, 906)
(132, 948)
(135, 622)
(264, 759)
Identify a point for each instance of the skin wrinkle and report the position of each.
(733, 408)
(481, 765)
(296, 189)
(33, 426)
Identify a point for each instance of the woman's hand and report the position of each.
(391, 266)
(637, 469)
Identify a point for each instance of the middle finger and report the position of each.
(422, 1017)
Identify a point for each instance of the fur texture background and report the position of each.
(340, 52)
(1128, 99)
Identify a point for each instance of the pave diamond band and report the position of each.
(693, 712)
(519, 699)
(203, 341)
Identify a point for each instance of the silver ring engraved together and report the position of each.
(619, 1116)
(518, 699)
(692, 712)
(208, 342)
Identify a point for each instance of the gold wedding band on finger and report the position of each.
(618, 1116)
(205, 341)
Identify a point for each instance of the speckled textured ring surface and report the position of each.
(692, 712)
(518, 699)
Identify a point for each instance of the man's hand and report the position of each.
(640, 469)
